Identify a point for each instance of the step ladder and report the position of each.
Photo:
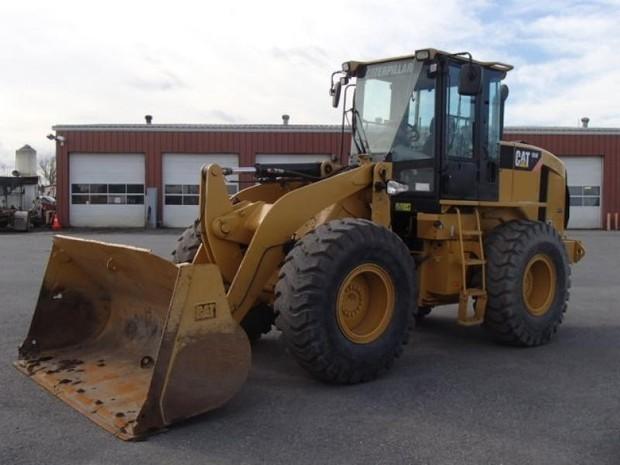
(479, 294)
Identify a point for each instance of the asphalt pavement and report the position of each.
(454, 397)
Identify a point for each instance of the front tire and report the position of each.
(528, 279)
(345, 300)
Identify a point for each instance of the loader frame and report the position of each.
(248, 235)
(267, 227)
(136, 342)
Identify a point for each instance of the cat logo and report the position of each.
(526, 159)
(204, 311)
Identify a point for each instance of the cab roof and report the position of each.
(429, 54)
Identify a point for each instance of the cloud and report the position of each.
(578, 77)
(250, 62)
(301, 56)
(219, 116)
(159, 80)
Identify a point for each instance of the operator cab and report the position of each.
(437, 117)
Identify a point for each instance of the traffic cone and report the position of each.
(56, 226)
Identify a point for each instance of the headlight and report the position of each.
(422, 55)
(395, 187)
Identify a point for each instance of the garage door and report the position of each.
(585, 184)
(283, 158)
(181, 177)
(107, 190)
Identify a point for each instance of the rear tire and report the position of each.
(528, 279)
(421, 313)
(259, 319)
(345, 300)
(187, 244)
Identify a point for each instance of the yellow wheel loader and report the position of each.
(432, 210)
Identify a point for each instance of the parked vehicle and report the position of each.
(17, 211)
(434, 209)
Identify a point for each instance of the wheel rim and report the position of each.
(539, 283)
(365, 303)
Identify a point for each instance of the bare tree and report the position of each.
(47, 168)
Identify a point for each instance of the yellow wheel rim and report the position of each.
(365, 303)
(539, 283)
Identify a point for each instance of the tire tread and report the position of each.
(504, 249)
(300, 293)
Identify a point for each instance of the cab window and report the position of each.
(414, 148)
(494, 118)
(415, 138)
(460, 111)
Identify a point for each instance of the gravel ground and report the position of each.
(454, 397)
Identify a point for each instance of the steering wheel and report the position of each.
(412, 133)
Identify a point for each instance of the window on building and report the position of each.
(174, 189)
(585, 196)
(135, 199)
(107, 194)
(191, 189)
(117, 199)
(188, 194)
(181, 194)
(135, 188)
(190, 200)
(79, 199)
(174, 200)
(80, 188)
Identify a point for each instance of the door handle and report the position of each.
(491, 171)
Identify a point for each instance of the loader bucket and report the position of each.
(131, 340)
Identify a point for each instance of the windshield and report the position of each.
(394, 111)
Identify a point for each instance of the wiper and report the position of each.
(352, 123)
(361, 133)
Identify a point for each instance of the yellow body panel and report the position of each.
(136, 343)
(121, 334)
(263, 226)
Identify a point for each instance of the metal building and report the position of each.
(134, 175)
(592, 158)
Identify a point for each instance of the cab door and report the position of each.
(460, 174)
(490, 134)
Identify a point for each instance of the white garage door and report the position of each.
(107, 190)
(181, 177)
(585, 183)
(283, 158)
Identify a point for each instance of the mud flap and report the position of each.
(131, 340)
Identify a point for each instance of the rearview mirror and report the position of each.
(470, 79)
(504, 92)
(335, 93)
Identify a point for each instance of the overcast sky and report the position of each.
(73, 62)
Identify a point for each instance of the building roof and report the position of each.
(568, 130)
(333, 128)
(199, 127)
(16, 181)
(26, 148)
